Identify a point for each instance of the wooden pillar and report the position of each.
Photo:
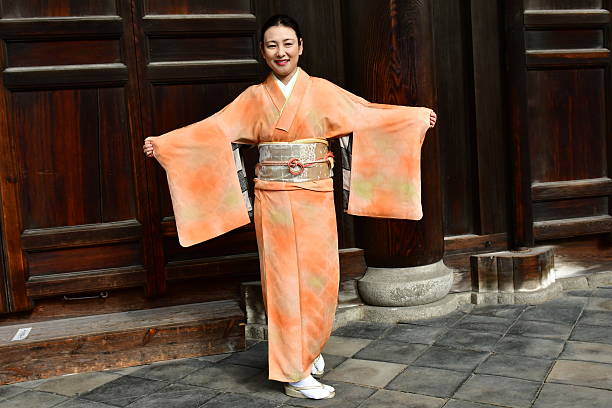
(516, 70)
(389, 59)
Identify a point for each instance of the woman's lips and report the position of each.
(281, 62)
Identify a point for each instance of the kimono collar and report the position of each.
(276, 94)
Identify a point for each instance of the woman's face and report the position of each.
(281, 50)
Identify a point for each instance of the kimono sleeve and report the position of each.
(385, 179)
(207, 198)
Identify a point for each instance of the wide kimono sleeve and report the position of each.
(385, 173)
(207, 198)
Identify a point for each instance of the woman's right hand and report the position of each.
(147, 148)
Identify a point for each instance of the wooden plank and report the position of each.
(87, 281)
(199, 23)
(121, 339)
(572, 227)
(566, 18)
(557, 190)
(352, 266)
(352, 263)
(491, 140)
(66, 27)
(20, 78)
(470, 243)
(563, 58)
(212, 70)
(81, 235)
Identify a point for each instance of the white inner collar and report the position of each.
(286, 89)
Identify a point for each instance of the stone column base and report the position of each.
(400, 287)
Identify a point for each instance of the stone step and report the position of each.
(118, 340)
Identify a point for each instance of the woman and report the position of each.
(290, 116)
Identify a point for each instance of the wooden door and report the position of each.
(74, 211)
(565, 113)
(194, 57)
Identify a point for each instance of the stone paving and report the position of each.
(554, 355)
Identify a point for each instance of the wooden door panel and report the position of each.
(569, 116)
(57, 8)
(196, 59)
(72, 143)
(187, 7)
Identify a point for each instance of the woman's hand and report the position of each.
(432, 119)
(147, 148)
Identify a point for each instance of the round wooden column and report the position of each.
(389, 59)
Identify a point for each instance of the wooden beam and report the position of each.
(516, 70)
(566, 18)
(572, 227)
(558, 190)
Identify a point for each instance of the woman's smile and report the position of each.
(281, 48)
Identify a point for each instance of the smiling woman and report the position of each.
(290, 116)
(281, 46)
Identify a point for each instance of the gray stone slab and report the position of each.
(256, 356)
(411, 333)
(580, 292)
(598, 303)
(597, 352)
(451, 359)
(347, 396)
(170, 370)
(570, 396)
(332, 361)
(428, 381)
(215, 358)
(596, 318)
(365, 372)
(228, 400)
(584, 373)
(566, 313)
(529, 346)
(345, 346)
(32, 399)
(594, 334)
(394, 399)
(603, 292)
(363, 330)
(7, 391)
(71, 385)
(176, 396)
(32, 384)
(548, 330)
(526, 368)
(261, 387)
(124, 390)
(442, 321)
(392, 351)
(466, 404)
(222, 377)
(468, 340)
(81, 403)
(509, 392)
(503, 311)
(484, 324)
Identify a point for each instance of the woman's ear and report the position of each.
(301, 48)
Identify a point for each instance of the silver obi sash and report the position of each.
(299, 161)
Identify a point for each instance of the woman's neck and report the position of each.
(285, 80)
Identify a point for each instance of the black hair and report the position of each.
(281, 20)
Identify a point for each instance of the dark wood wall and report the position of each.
(523, 95)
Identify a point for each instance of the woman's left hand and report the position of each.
(432, 119)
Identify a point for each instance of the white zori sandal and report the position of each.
(318, 366)
(309, 388)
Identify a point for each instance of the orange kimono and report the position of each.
(295, 222)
